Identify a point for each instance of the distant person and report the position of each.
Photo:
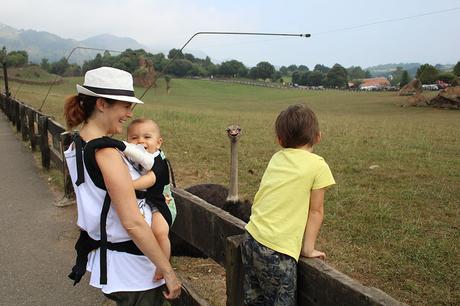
(116, 243)
(287, 212)
(146, 132)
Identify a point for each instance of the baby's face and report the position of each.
(147, 134)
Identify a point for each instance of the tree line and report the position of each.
(145, 64)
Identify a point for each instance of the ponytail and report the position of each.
(77, 109)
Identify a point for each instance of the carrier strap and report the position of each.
(85, 244)
(103, 255)
(173, 180)
(79, 157)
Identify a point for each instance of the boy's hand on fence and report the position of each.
(314, 254)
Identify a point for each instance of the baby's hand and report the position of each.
(138, 155)
(167, 198)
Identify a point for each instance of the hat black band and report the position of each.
(109, 91)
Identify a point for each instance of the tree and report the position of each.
(283, 70)
(321, 68)
(190, 57)
(292, 68)
(405, 79)
(233, 68)
(253, 73)
(265, 70)
(303, 68)
(45, 65)
(17, 58)
(60, 66)
(356, 72)
(296, 77)
(315, 78)
(427, 74)
(337, 77)
(396, 75)
(446, 77)
(175, 53)
(457, 69)
(180, 67)
(304, 77)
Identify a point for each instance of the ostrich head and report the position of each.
(234, 132)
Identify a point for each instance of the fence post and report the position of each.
(5, 75)
(44, 145)
(17, 119)
(234, 270)
(23, 120)
(32, 131)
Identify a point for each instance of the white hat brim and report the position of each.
(85, 91)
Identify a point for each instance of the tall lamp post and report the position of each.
(218, 33)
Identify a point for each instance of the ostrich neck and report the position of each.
(233, 188)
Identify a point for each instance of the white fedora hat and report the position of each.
(110, 83)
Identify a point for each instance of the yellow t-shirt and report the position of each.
(280, 210)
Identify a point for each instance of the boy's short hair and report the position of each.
(297, 126)
(142, 120)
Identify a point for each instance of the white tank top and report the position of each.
(125, 272)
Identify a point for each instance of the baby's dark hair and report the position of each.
(297, 126)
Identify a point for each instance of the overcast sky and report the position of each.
(336, 27)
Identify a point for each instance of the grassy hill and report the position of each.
(394, 226)
(31, 73)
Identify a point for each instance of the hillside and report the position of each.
(40, 44)
(386, 69)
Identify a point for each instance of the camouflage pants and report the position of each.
(269, 277)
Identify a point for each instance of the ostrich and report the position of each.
(219, 195)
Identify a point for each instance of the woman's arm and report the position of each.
(120, 188)
(315, 219)
(145, 181)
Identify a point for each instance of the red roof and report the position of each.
(375, 82)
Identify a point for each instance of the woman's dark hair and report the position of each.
(78, 109)
(297, 126)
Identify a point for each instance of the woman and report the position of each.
(115, 226)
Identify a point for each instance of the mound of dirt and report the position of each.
(411, 88)
(417, 100)
(447, 98)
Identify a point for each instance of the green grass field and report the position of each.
(394, 227)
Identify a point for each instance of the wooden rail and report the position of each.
(211, 230)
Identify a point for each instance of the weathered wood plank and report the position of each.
(203, 225)
(320, 284)
(188, 296)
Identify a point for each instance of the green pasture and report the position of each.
(392, 220)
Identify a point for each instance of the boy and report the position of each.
(287, 211)
(146, 132)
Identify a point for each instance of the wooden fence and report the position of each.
(213, 231)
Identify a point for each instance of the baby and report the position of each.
(155, 181)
